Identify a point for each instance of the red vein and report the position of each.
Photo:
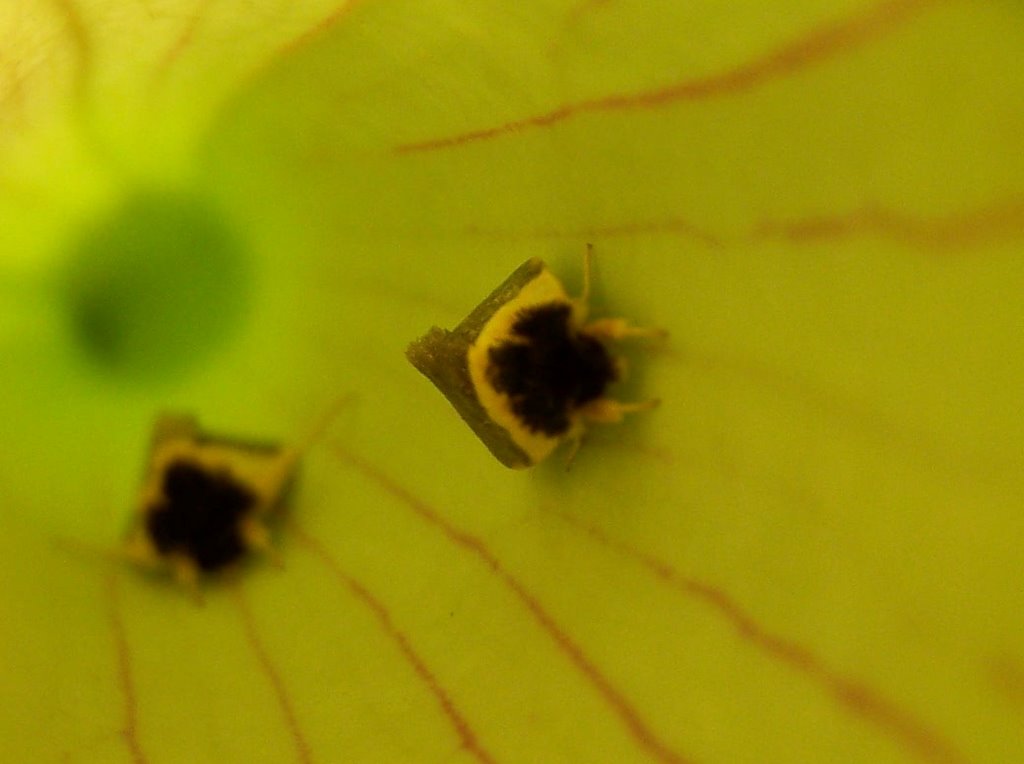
(999, 220)
(318, 29)
(666, 226)
(188, 33)
(622, 708)
(12, 86)
(852, 694)
(81, 44)
(303, 39)
(270, 670)
(580, 9)
(1007, 675)
(462, 728)
(996, 221)
(816, 46)
(124, 669)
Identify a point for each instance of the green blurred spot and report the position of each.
(156, 287)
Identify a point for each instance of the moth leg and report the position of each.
(186, 573)
(572, 450)
(256, 536)
(574, 439)
(139, 551)
(609, 411)
(278, 475)
(620, 328)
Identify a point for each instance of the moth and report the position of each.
(528, 369)
(205, 499)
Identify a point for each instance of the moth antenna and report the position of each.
(588, 258)
(322, 423)
(257, 537)
(88, 550)
(292, 454)
(186, 573)
(573, 449)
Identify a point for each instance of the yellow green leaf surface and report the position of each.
(812, 551)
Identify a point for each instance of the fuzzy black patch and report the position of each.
(200, 516)
(549, 369)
